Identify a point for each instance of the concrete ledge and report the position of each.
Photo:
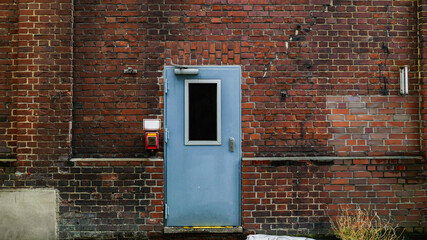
(115, 159)
(7, 160)
(325, 158)
(174, 230)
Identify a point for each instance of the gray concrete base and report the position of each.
(174, 230)
(28, 214)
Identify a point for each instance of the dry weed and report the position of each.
(362, 225)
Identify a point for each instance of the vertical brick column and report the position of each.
(422, 18)
(43, 83)
(8, 40)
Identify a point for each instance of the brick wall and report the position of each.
(294, 57)
(374, 125)
(109, 105)
(111, 199)
(42, 84)
(300, 197)
(8, 51)
(36, 80)
(320, 78)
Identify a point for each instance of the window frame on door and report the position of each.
(218, 112)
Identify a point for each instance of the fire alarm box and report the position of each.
(151, 140)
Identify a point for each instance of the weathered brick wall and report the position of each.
(374, 125)
(42, 85)
(297, 54)
(36, 81)
(294, 55)
(102, 199)
(320, 78)
(300, 197)
(109, 105)
(8, 52)
(111, 200)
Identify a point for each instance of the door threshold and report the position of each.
(216, 229)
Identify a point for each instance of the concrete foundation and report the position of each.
(28, 214)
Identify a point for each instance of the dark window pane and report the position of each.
(202, 112)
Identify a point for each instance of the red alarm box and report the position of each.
(151, 140)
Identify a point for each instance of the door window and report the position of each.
(202, 112)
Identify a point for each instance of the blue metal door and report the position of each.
(202, 146)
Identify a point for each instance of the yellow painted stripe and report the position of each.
(210, 227)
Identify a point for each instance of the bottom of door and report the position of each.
(214, 229)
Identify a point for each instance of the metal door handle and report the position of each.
(231, 144)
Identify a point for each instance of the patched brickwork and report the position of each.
(374, 126)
